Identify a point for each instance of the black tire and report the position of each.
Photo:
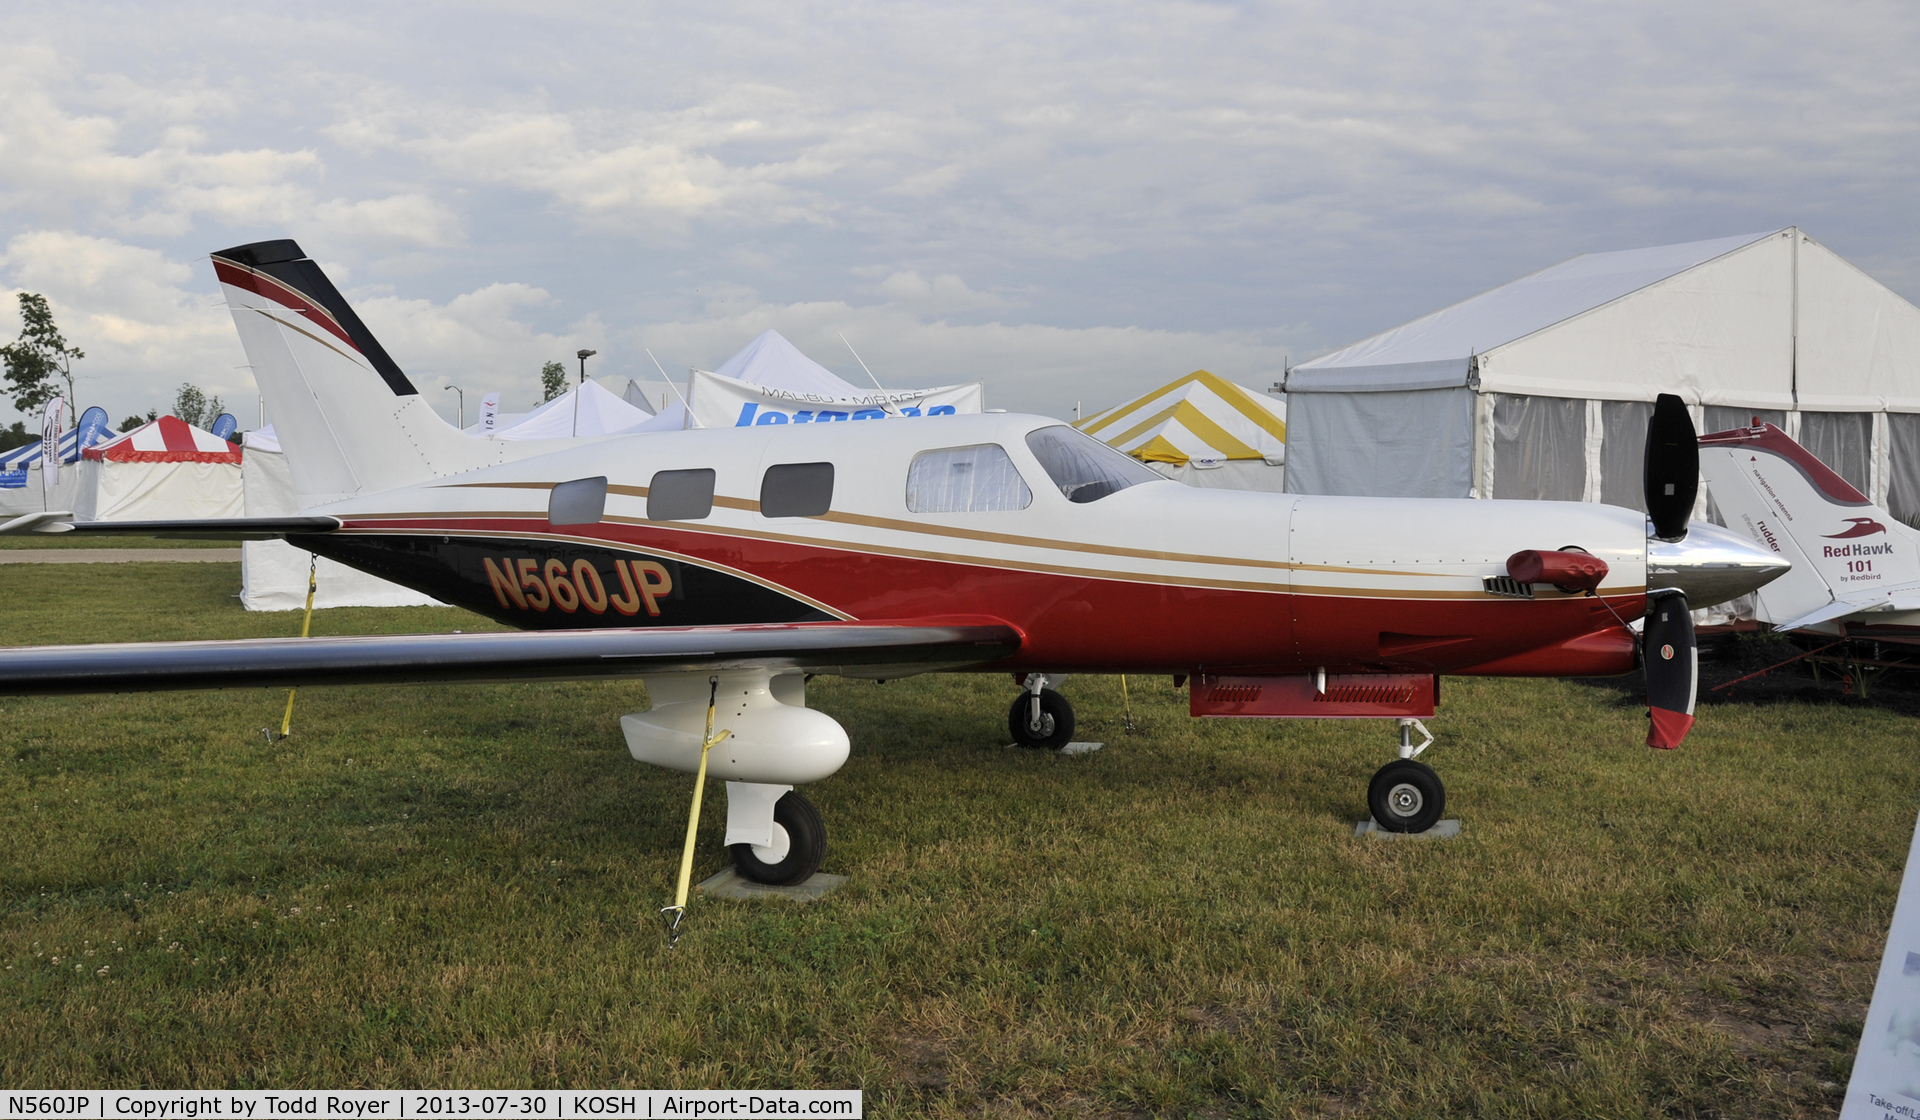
(806, 837)
(1056, 721)
(1406, 796)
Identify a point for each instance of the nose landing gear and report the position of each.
(1406, 795)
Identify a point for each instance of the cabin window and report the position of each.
(680, 495)
(580, 502)
(797, 490)
(1085, 469)
(965, 480)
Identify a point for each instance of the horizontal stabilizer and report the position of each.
(55, 521)
(205, 529)
(855, 649)
(1890, 599)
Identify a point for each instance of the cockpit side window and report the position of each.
(972, 479)
(1085, 469)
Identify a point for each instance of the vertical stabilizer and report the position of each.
(349, 419)
(1847, 553)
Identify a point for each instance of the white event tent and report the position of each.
(1542, 388)
(165, 469)
(771, 382)
(587, 409)
(1203, 430)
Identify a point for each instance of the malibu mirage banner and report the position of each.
(724, 402)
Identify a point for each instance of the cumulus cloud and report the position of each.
(1164, 183)
(478, 340)
(944, 293)
(1024, 366)
(84, 168)
(144, 324)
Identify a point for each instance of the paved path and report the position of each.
(119, 555)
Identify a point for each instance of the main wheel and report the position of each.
(1406, 796)
(799, 845)
(1054, 727)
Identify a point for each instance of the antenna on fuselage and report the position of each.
(684, 406)
(886, 404)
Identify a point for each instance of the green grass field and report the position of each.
(457, 886)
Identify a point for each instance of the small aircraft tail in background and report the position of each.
(1850, 557)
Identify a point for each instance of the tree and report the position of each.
(40, 358)
(553, 380)
(16, 436)
(132, 422)
(195, 407)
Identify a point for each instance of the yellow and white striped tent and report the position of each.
(1203, 430)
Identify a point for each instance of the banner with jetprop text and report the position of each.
(93, 425)
(724, 402)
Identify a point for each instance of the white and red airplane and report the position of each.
(723, 566)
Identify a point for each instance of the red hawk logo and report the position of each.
(1862, 527)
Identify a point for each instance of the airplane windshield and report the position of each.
(1085, 469)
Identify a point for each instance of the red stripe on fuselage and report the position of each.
(1090, 623)
(269, 288)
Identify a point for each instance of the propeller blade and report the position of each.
(1673, 669)
(1671, 475)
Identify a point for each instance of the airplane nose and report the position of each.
(1710, 564)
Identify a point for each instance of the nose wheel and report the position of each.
(1406, 796)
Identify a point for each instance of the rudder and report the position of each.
(350, 420)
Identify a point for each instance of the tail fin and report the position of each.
(1848, 554)
(349, 419)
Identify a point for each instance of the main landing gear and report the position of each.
(797, 848)
(1041, 718)
(1405, 795)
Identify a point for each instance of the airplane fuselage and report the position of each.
(1154, 577)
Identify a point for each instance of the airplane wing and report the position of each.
(865, 649)
(215, 529)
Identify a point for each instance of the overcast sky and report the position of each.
(1069, 202)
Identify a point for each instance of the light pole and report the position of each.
(463, 406)
(583, 355)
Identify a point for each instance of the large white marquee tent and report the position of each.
(1542, 388)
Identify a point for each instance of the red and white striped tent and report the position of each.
(163, 470)
(166, 440)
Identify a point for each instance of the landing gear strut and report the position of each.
(1405, 795)
(1041, 717)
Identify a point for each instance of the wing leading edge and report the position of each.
(206, 529)
(850, 648)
